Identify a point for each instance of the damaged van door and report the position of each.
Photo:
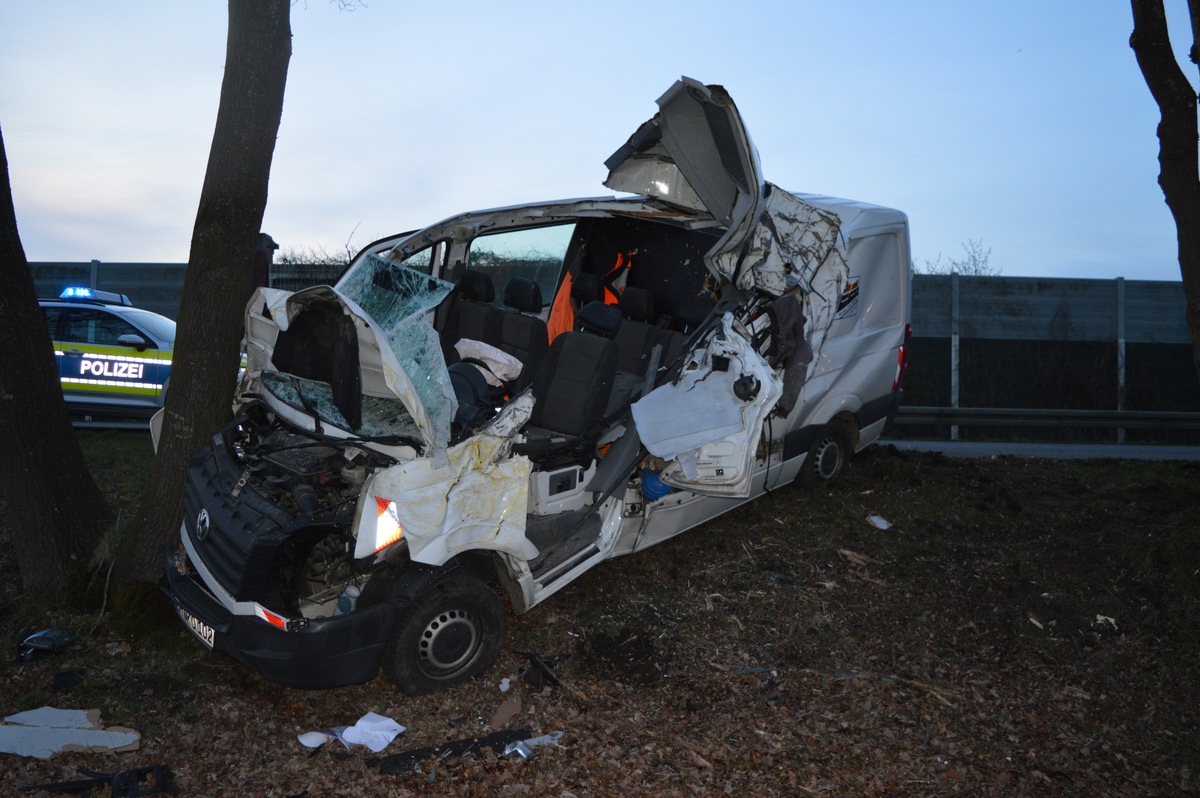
(696, 154)
(707, 422)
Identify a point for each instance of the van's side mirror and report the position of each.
(134, 340)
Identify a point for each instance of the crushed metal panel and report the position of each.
(651, 173)
(695, 154)
(710, 445)
(699, 422)
(704, 133)
(794, 244)
(790, 242)
(477, 500)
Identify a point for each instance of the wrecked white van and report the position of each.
(510, 397)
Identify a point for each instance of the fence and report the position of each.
(1049, 343)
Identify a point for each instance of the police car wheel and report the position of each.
(827, 458)
(452, 633)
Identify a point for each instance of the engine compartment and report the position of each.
(315, 481)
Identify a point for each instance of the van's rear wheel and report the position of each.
(827, 457)
(451, 634)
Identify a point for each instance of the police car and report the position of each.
(114, 360)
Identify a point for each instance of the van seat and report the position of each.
(520, 334)
(585, 288)
(471, 314)
(690, 314)
(600, 319)
(575, 379)
(637, 335)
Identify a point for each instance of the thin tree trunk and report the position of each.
(54, 511)
(218, 281)
(1179, 161)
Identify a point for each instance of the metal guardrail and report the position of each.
(1037, 417)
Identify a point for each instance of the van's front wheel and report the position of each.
(452, 633)
(827, 457)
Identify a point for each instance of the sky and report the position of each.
(1024, 126)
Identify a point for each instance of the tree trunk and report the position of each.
(55, 513)
(218, 281)
(1179, 162)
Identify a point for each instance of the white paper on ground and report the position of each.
(372, 730)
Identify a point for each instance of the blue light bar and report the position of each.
(83, 292)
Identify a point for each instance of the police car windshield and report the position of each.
(162, 328)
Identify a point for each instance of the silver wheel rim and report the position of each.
(828, 459)
(448, 643)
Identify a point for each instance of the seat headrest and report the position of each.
(585, 288)
(476, 286)
(524, 295)
(637, 304)
(692, 311)
(599, 319)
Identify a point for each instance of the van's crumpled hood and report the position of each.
(377, 315)
(696, 154)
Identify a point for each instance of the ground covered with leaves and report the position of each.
(1022, 627)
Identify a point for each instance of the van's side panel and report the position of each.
(855, 370)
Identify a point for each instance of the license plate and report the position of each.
(202, 631)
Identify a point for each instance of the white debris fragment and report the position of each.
(372, 730)
(879, 522)
(46, 731)
(316, 739)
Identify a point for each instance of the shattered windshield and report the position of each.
(380, 416)
(391, 292)
(398, 299)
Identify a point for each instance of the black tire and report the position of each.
(452, 633)
(827, 457)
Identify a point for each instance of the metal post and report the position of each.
(95, 274)
(954, 349)
(1120, 353)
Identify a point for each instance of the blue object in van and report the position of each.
(653, 488)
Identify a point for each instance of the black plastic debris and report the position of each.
(406, 760)
(42, 642)
(149, 780)
(541, 671)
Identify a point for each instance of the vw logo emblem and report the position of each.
(202, 524)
